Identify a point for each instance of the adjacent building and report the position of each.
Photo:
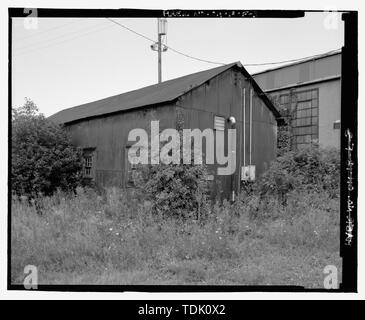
(310, 92)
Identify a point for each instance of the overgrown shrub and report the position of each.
(177, 190)
(43, 159)
(310, 169)
(285, 132)
(283, 139)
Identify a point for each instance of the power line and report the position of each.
(59, 42)
(219, 63)
(152, 40)
(53, 28)
(172, 49)
(46, 41)
(288, 61)
(129, 29)
(191, 57)
(35, 48)
(46, 31)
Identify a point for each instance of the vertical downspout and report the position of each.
(233, 154)
(251, 126)
(240, 141)
(244, 127)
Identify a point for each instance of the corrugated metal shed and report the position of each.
(155, 94)
(197, 101)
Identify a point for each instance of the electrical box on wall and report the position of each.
(248, 173)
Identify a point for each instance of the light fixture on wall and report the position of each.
(232, 120)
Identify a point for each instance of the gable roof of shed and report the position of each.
(155, 94)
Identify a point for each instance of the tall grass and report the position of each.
(115, 239)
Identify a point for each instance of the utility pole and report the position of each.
(159, 59)
(159, 46)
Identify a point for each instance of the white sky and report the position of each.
(67, 62)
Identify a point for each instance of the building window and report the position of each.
(130, 170)
(89, 162)
(131, 173)
(88, 165)
(305, 118)
(219, 123)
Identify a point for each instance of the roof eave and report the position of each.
(103, 115)
(262, 94)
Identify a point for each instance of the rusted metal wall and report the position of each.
(109, 136)
(221, 96)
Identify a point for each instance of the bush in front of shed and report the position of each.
(43, 159)
(310, 169)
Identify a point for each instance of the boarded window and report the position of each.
(219, 123)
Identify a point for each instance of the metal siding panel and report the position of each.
(225, 94)
(263, 136)
(211, 96)
(110, 136)
(304, 72)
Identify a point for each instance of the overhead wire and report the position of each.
(154, 41)
(221, 63)
(46, 31)
(288, 61)
(32, 49)
(45, 41)
(168, 47)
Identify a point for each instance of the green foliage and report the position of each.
(86, 238)
(311, 169)
(177, 190)
(283, 140)
(284, 133)
(43, 158)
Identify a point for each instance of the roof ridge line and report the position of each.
(149, 86)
